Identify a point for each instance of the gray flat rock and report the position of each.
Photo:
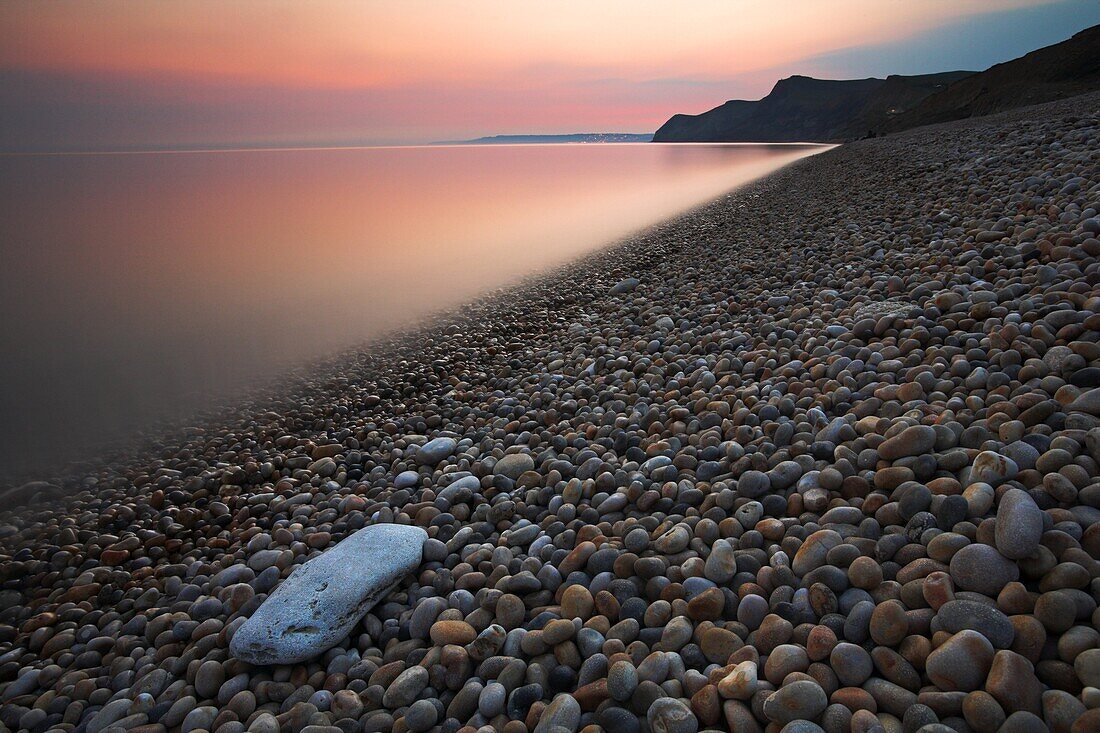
(625, 286)
(321, 601)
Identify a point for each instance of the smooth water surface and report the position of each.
(137, 287)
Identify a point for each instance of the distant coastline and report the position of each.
(577, 137)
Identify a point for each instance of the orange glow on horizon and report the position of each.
(503, 55)
(368, 44)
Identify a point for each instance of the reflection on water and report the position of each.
(135, 286)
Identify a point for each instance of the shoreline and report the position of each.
(832, 458)
(398, 343)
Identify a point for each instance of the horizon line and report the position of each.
(303, 148)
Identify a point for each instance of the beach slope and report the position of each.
(829, 443)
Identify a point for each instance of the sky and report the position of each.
(124, 75)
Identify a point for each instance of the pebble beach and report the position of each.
(821, 455)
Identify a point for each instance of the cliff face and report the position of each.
(801, 108)
(1065, 69)
(707, 127)
(897, 95)
(817, 110)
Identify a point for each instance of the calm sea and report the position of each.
(137, 287)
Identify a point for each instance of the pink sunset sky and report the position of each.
(110, 74)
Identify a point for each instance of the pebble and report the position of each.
(514, 465)
(452, 632)
(851, 664)
(889, 623)
(622, 680)
(982, 712)
(1088, 402)
(993, 469)
(912, 441)
(435, 450)
(1060, 710)
(1087, 667)
(865, 573)
(669, 715)
(562, 712)
(961, 662)
(1019, 525)
(980, 568)
(625, 285)
(1023, 722)
(781, 464)
(209, 678)
(813, 552)
(577, 602)
(799, 700)
(406, 687)
(1089, 721)
(721, 563)
(961, 614)
(1012, 682)
(741, 683)
(421, 716)
(783, 660)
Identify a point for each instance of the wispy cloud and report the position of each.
(975, 42)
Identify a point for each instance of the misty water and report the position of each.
(137, 288)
